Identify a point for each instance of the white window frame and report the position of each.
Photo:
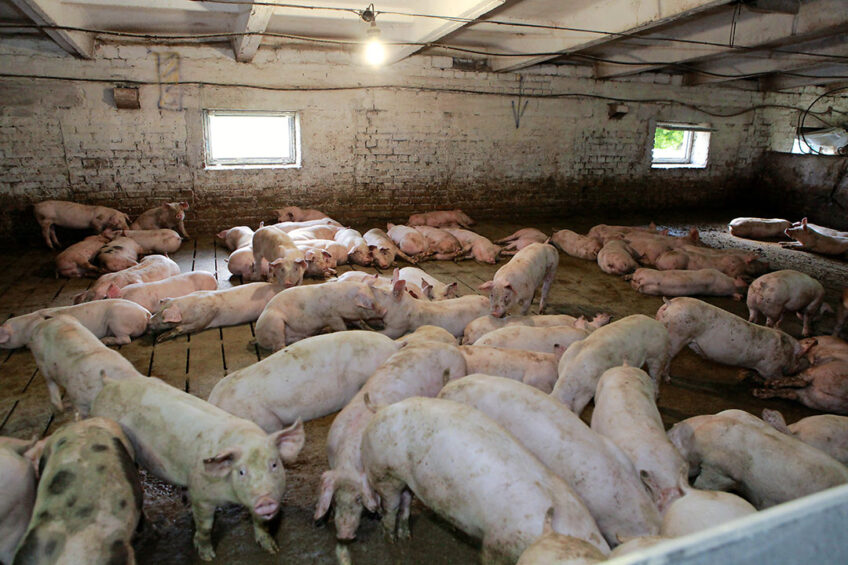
(289, 162)
(696, 144)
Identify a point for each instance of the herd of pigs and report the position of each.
(487, 434)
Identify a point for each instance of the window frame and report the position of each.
(289, 162)
(696, 140)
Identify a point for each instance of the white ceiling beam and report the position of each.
(822, 75)
(763, 62)
(613, 16)
(816, 18)
(428, 30)
(252, 23)
(54, 13)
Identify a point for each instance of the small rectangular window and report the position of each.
(247, 139)
(680, 145)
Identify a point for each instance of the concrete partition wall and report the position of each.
(809, 531)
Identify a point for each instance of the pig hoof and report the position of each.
(204, 550)
(403, 532)
(266, 542)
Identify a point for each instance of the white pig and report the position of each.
(442, 245)
(591, 464)
(358, 251)
(337, 251)
(119, 254)
(169, 215)
(237, 237)
(637, 340)
(700, 510)
(775, 293)
(409, 240)
(151, 294)
(500, 492)
(314, 232)
(433, 288)
(827, 432)
(441, 218)
(155, 241)
(403, 314)
(75, 261)
(542, 340)
(51, 213)
(576, 245)
(17, 500)
(521, 239)
(240, 262)
(289, 226)
(554, 548)
(514, 285)
(381, 282)
(220, 458)
(383, 249)
(485, 324)
(708, 282)
(815, 239)
(151, 268)
(616, 258)
(758, 228)
(277, 248)
(295, 214)
(538, 370)
(822, 387)
(480, 248)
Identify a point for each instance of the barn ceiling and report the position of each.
(768, 44)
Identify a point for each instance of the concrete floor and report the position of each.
(195, 363)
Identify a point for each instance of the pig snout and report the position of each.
(266, 507)
(346, 525)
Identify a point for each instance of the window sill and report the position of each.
(678, 166)
(246, 166)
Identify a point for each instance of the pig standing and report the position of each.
(211, 309)
(75, 261)
(636, 340)
(119, 254)
(170, 215)
(576, 245)
(442, 245)
(237, 237)
(409, 240)
(18, 497)
(527, 338)
(295, 214)
(554, 548)
(775, 293)
(480, 248)
(283, 256)
(485, 324)
(114, 321)
(616, 258)
(220, 458)
(708, 282)
(827, 432)
(310, 379)
(71, 358)
(758, 228)
(433, 288)
(151, 268)
(514, 285)
(738, 451)
(383, 249)
(358, 251)
(304, 311)
(441, 219)
(155, 241)
(421, 368)
(521, 239)
(52, 213)
(499, 494)
(815, 239)
(538, 370)
(150, 295)
(720, 336)
(89, 497)
(592, 465)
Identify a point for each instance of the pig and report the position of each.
(598, 471)
(816, 240)
(647, 247)
(842, 314)
(307, 380)
(89, 497)
(827, 432)
(383, 249)
(636, 544)
(337, 251)
(421, 368)
(403, 314)
(170, 215)
(825, 348)
(300, 312)
(240, 262)
(480, 248)
(289, 226)
(314, 232)
(18, 499)
(576, 245)
(637, 340)
(731, 263)
(775, 293)
(527, 338)
(521, 239)
(283, 256)
(237, 237)
(514, 285)
(556, 548)
(723, 337)
(602, 232)
(150, 294)
(119, 254)
(538, 370)
(700, 510)
(151, 268)
(823, 387)
(758, 228)
(319, 263)
(75, 261)
(616, 258)
(626, 413)
(384, 283)
(52, 213)
(220, 458)
(113, 321)
(707, 282)
(504, 491)
(358, 252)
(738, 451)
(409, 240)
(485, 324)
(433, 288)
(295, 214)
(441, 219)
(442, 245)
(162, 241)
(205, 309)
(71, 358)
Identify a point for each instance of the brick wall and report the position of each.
(414, 136)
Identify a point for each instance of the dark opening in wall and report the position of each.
(462, 64)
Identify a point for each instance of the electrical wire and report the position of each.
(802, 118)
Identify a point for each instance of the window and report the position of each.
(821, 141)
(680, 145)
(244, 139)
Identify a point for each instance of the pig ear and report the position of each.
(487, 285)
(289, 441)
(548, 526)
(222, 234)
(221, 464)
(451, 289)
(775, 419)
(428, 289)
(363, 300)
(184, 205)
(650, 484)
(508, 285)
(114, 291)
(328, 488)
(398, 288)
(559, 350)
(807, 347)
(370, 499)
(172, 314)
(389, 226)
(371, 248)
(274, 263)
(326, 253)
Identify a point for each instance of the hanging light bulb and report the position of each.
(375, 51)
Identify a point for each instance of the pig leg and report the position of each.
(787, 393)
(403, 515)
(390, 493)
(787, 382)
(55, 394)
(172, 333)
(46, 233)
(116, 340)
(204, 517)
(711, 478)
(182, 230)
(772, 323)
(791, 244)
(753, 314)
(546, 287)
(263, 537)
(658, 368)
(840, 320)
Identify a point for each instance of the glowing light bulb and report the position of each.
(375, 51)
